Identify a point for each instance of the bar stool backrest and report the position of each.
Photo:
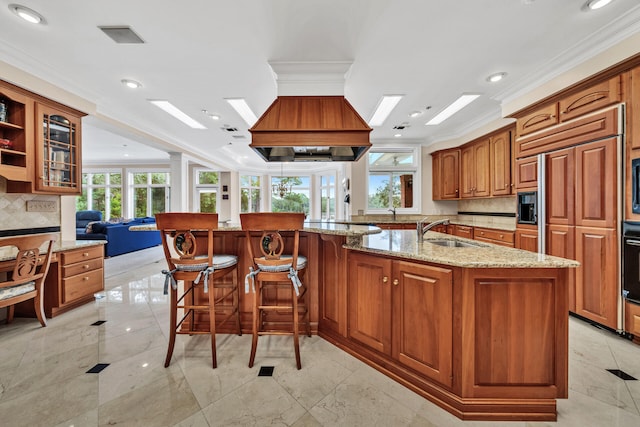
(272, 244)
(181, 237)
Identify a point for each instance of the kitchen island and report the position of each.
(479, 329)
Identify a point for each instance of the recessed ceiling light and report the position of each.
(211, 115)
(398, 135)
(596, 4)
(414, 114)
(27, 14)
(131, 83)
(386, 104)
(242, 108)
(457, 105)
(496, 77)
(169, 108)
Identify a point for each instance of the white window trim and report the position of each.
(251, 187)
(205, 187)
(130, 187)
(415, 168)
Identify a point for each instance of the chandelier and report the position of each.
(281, 189)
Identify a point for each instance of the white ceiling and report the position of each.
(198, 52)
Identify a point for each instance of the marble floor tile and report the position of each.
(43, 380)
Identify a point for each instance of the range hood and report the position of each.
(310, 128)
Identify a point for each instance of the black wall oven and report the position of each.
(631, 261)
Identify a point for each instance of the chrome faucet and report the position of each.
(421, 228)
(393, 212)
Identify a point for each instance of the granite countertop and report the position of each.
(324, 227)
(403, 244)
(8, 254)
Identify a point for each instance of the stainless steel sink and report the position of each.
(453, 243)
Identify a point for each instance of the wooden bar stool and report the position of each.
(187, 239)
(277, 273)
(27, 272)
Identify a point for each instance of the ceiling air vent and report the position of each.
(121, 34)
(229, 128)
(401, 126)
(238, 137)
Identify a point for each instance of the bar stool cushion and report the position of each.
(14, 291)
(219, 262)
(302, 263)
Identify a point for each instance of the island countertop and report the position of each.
(404, 244)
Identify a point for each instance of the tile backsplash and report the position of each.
(14, 214)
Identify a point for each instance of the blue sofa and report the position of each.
(89, 226)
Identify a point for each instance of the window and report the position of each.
(207, 185)
(328, 197)
(249, 193)
(295, 198)
(102, 192)
(391, 177)
(150, 193)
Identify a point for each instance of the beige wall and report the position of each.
(14, 214)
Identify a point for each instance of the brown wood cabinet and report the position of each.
(474, 167)
(73, 280)
(403, 310)
(497, 237)
(462, 230)
(597, 276)
(16, 137)
(526, 174)
(541, 118)
(561, 176)
(500, 164)
(593, 98)
(561, 241)
(632, 320)
(526, 238)
(446, 174)
(46, 139)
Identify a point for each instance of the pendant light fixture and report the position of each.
(281, 189)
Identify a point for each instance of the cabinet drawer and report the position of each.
(79, 255)
(494, 236)
(463, 231)
(81, 267)
(539, 119)
(81, 285)
(591, 99)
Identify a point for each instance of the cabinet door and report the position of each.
(597, 276)
(500, 151)
(482, 164)
(526, 174)
(450, 175)
(596, 184)
(369, 301)
(58, 156)
(423, 319)
(527, 239)
(16, 140)
(436, 176)
(560, 171)
(539, 119)
(594, 98)
(561, 241)
(467, 168)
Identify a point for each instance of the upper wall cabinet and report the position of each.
(16, 135)
(500, 167)
(446, 174)
(593, 98)
(44, 140)
(474, 160)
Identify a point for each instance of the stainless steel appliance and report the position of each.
(527, 207)
(631, 261)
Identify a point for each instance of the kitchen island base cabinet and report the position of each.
(482, 343)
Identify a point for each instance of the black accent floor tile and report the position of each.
(266, 371)
(621, 374)
(98, 322)
(98, 368)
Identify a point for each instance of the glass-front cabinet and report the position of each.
(57, 151)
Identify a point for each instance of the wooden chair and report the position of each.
(187, 239)
(278, 266)
(27, 272)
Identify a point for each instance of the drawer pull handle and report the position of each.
(86, 278)
(395, 282)
(86, 266)
(385, 279)
(85, 254)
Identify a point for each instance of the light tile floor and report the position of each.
(43, 380)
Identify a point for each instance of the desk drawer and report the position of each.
(82, 254)
(81, 267)
(81, 285)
